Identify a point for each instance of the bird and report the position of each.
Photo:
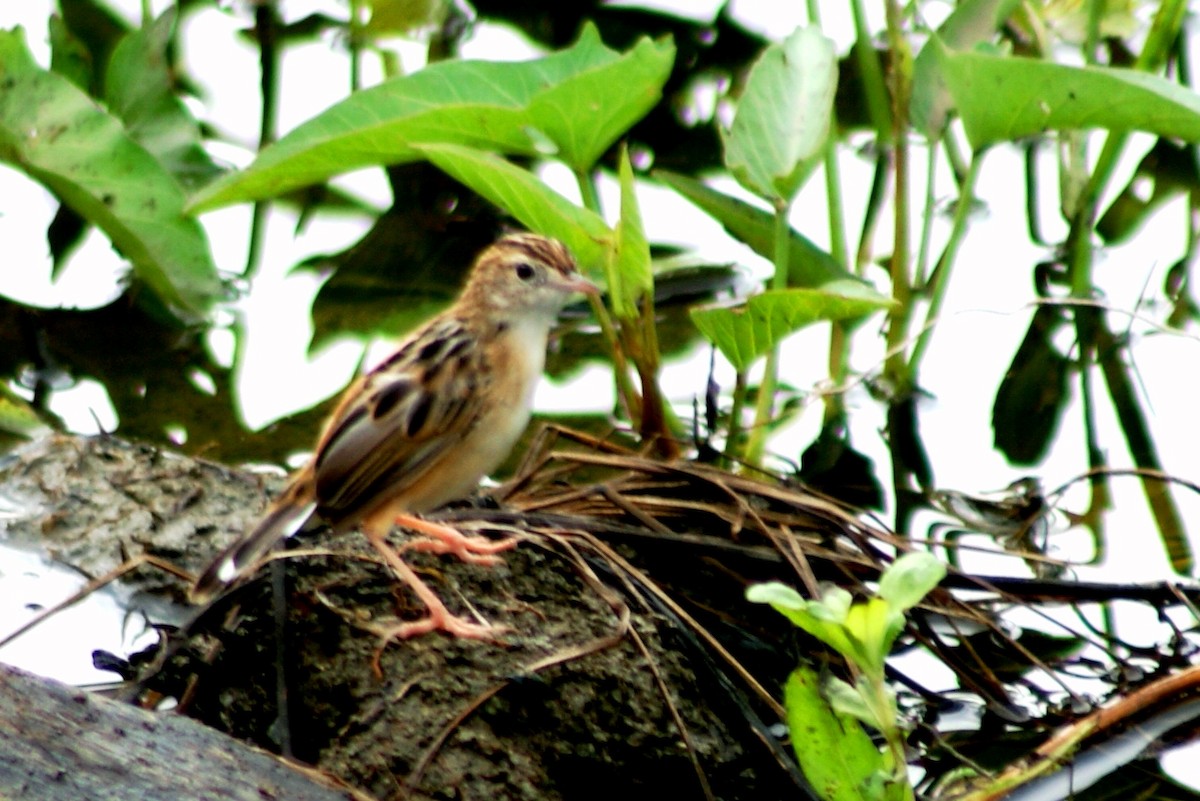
(421, 428)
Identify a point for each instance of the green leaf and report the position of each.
(778, 134)
(507, 107)
(139, 88)
(69, 57)
(834, 604)
(847, 701)
(872, 626)
(584, 114)
(59, 137)
(822, 619)
(1003, 98)
(818, 731)
(777, 594)
(971, 22)
(744, 333)
(525, 197)
(632, 276)
(910, 578)
(808, 265)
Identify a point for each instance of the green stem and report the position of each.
(736, 410)
(356, 39)
(1140, 443)
(876, 199)
(1095, 12)
(871, 71)
(1101, 494)
(839, 331)
(901, 383)
(267, 24)
(764, 408)
(881, 702)
(1163, 31)
(920, 269)
(896, 367)
(1096, 341)
(941, 273)
(838, 244)
(625, 389)
(587, 191)
(954, 157)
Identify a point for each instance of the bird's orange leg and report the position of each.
(440, 618)
(444, 539)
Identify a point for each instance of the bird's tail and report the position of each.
(286, 518)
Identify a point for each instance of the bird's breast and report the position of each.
(512, 367)
(515, 368)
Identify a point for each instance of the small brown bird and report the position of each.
(421, 428)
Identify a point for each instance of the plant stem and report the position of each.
(636, 340)
(355, 30)
(839, 330)
(920, 270)
(901, 383)
(587, 191)
(940, 278)
(896, 368)
(873, 81)
(736, 410)
(1097, 343)
(901, 786)
(266, 23)
(764, 408)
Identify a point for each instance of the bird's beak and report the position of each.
(579, 283)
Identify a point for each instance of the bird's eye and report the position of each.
(524, 271)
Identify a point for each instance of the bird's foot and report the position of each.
(439, 618)
(444, 539)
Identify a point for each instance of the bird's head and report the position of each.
(525, 274)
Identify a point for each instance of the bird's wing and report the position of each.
(402, 416)
(392, 423)
(290, 513)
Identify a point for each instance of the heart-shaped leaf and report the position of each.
(744, 333)
(778, 134)
(505, 107)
